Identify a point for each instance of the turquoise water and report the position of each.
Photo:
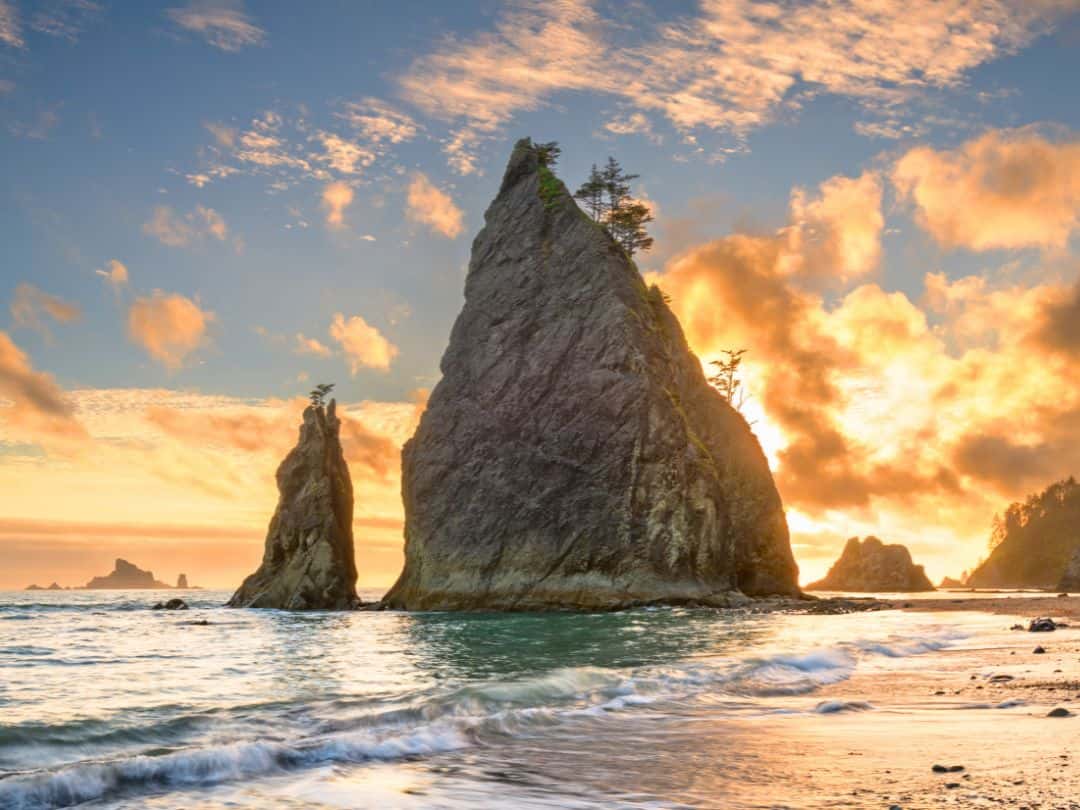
(105, 703)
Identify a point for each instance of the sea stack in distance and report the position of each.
(872, 566)
(573, 454)
(124, 576)
(309, 562)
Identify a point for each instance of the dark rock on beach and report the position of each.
(172, 604)
(309, 562)
(573, 454)
(870, 565)
(1060, 712)
(1042, 625)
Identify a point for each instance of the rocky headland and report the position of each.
(573, 454)
(126, 576)
(872, 566)
(308, 561)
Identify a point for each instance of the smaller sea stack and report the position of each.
(870, 565)
(309, 562)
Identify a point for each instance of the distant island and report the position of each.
(126, 576)
(871, 565)
(1033, 543)
(53, 587)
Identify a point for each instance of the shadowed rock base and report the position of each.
(573, 454)
(309, 562)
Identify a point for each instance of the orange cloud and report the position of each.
(1002, 190)
(115, 274)
(224, 25)
(433, 207)
(168, 326)
(174, 230)
(336, 197)
(30, 305)
(364, 346)
(309, 345)
(37, 407)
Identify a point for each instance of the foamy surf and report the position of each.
(468, 716)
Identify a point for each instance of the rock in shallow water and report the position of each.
(573, 454)
(309, 562)
(872, 566)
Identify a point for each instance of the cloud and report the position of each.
(1001, 190)
(343, 155)
(222, 24)
(733, 66)
(309, 345)
(10, 27)
(377, 122)
(168, 326)
(65, 19)
(363, 345)
(838, 233)
(1057, 325)
(38, 408)
(115, 273)
(433, 207)
(224, 135)
(31, 306)
(174, 230)
(39, 127)
(336, 197)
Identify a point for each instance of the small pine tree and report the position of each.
(726, 379)
(319, 393)
(548, 153)
(591, 194)
(627, 226)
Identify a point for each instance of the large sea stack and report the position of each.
(125, 575)
(872, 566)
(309, 563)
(573, 454)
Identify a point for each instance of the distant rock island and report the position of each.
(573, 454)
(308, 561)
(124, 576)
(949, 582)
(1034, 541)
(870, 565)
(53, 587)
(181, 582)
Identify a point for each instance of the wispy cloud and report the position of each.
(223, 24)
(168, 326)
(31, 307)
(729, 68)
(36, 404)
(431, 206)
(309, 345)
(10, 26)
(66, 19)
(176, 230)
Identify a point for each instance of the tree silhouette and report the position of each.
(726, 380)
(548, 153)
(606, 196)
(318, 394)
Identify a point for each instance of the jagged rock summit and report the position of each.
(573, 454)
(124, 576)
(309, 562)
(870, 565)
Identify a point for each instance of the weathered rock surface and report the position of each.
(870, 565)
(309, 562)
(181, 581)
(573, 454)
(124, 576)
(1070, 578)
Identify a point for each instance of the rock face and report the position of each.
(871, 565)
(573, 454)
(1070, 579)
(125, 575)
(309, 562)
(181, 581)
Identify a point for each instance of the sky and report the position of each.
(209, 207)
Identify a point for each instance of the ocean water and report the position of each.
(105, 703)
